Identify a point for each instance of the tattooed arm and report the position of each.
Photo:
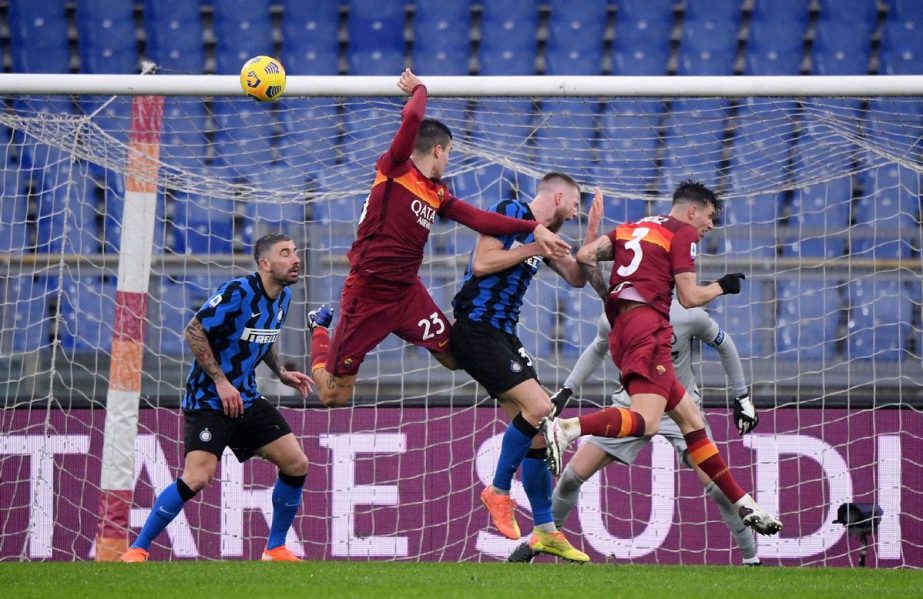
(231, 402)
(589, 257)
(271, 359)
(294, 379)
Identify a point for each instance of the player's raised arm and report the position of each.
(594, 217)
(411, 116)
(491, 223)
(589, 257)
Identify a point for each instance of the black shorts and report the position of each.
(212, 431)
(494, 358)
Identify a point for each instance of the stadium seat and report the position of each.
(879, 320)
(576, 35)
(369, 130)
(14, 212)
(504, 126)
(25, 312)
(808, 318)
(752, 210)
(824, 206)
(890, 198)
(694, 139)
(339, 209)
(774, 48)
(648, 11)
(641, 47)
(112, 115)
(440, 27)
(849, 11)
(167, 316)
(442, 62)
(183, 141)
(376, 62)
(763, 138)
(67, 213)
(38, 37)
(719, 11)
(174, 35)
(203, 225)
(282, 212)
(629, 141)
(902, 47)
(878, 243)
(479, 184)
(243, 148)
(508, 37)
(504, 60)
(376, 25)
(310, 133)
(108, 43)
(243, 29)
(86, 313)
(794, 13)
(311, 37)
(708, 47)
(748, 317)
(897, 124)
(568, 129)
(841, 48)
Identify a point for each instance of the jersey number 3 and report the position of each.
(436, 321)
(634, 244)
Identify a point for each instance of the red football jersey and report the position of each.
(399, 211)
(648, 254)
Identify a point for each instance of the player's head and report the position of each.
(695, 204)
(561, 195)
(277, 258)
(431, 153)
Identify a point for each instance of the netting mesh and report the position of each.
(821, 212)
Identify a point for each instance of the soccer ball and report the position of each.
(263, 78)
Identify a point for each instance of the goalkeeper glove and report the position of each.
(559, 401)
(730, 283)
(745, 416)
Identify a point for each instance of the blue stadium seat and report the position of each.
(508, 37)
(112, 115)
(236, 144)
(842, 48)
(339, 209)
(174, 35)
(480, 184)
(752, 210)
(107, 37)
(504, 60)
(902, 47)
(38, 37)
(182, 138)
(504, 126)
(630, 141)
(897, 123)
(203, 225)
(284, 212)
(878, 243)
(576, 32)
(67, 213)
(167, 316)
(14, 212)
(849, 11)
(86, 313)
(568, 129)
(708, 47)
(808, 317)
(905, 10)
(890, 198)
(649, 11)
(694, 139)
(310, 132)
(774, 48)
(763, 138)
(25, 304)
(879, 320)
(369, 130)
(243, 29)
(441, 26)
(376, 26)
(376, 62)
(746, 316)
(310, 37)
(794, 13)
(641, 47)
(442, 62)
(826, 206)
(719, 11)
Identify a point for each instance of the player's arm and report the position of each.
(567, 266)
(493, 224)
(589, 257)
(411, 116)
(692, 295)
(294, 379)
(491, 257)
(197, 338)
(594, 217)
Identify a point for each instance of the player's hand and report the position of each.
(594, 217)
(730, 283)
(408, 81)
(231, 402)
(298, 380)
(745, 416)
(553, 247)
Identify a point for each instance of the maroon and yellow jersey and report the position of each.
(399, 211)
(648, 255)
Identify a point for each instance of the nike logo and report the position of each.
(296, 504)
(166, 511)
(254, 315)
(442, 343)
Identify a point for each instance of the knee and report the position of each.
(298, 466)
(651, 426)
(569, 481)
(198, 478)
(537, 410)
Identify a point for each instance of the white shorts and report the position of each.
(626, 449)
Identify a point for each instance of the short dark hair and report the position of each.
(265, 243)
(693, 191)
(558, 175)
(432, 133)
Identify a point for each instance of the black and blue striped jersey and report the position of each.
(241, 323)
(497, 298)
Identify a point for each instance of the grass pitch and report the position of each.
(378, 579)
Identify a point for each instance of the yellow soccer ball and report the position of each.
(263, 78)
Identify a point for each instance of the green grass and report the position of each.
(377, 579)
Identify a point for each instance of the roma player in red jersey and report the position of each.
(649, 258)
(383, 293)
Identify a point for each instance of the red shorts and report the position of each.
(365, 320)
(641, 343)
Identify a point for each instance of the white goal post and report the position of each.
(128, 198)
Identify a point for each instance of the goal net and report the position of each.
(121, 214)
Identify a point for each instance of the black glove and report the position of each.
(559, 400)
(730, 283)
(745, 416)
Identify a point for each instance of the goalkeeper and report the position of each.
(599, 452)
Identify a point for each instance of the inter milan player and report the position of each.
(649, 258)
(598, 452)
(485, 343)
(383, 293)
(230, 335)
